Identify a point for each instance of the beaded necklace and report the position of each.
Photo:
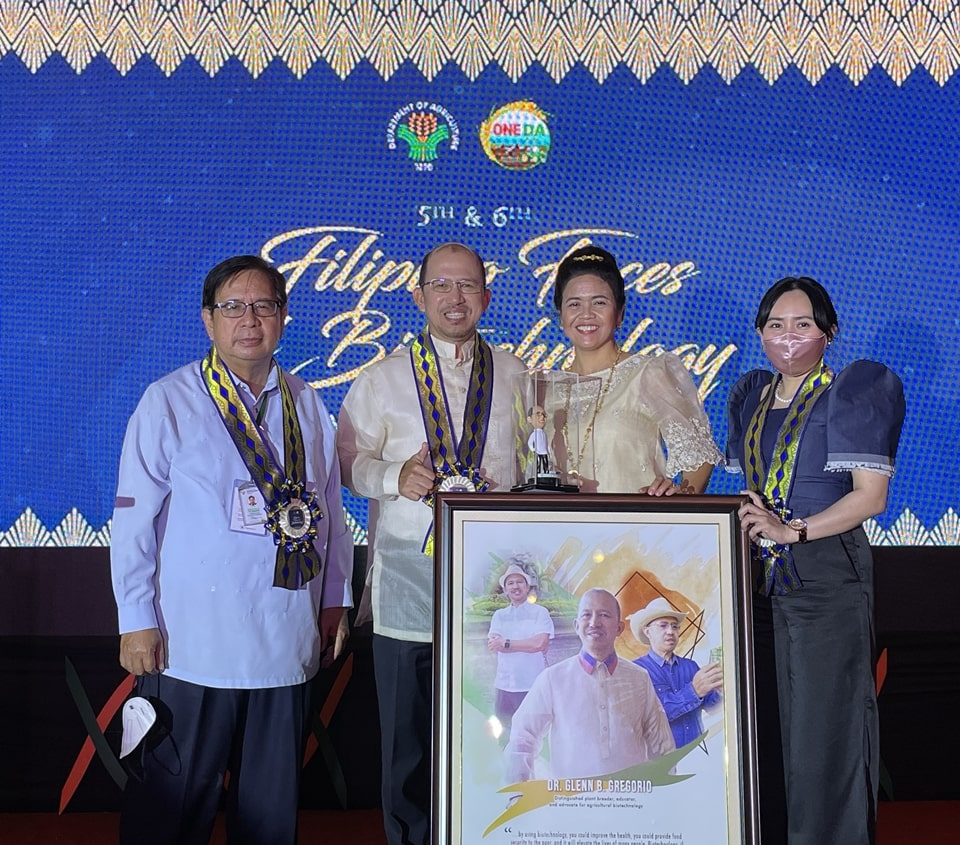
(776, 392)
(596, 411)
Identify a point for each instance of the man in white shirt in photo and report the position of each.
(519, 635)
(601, 713)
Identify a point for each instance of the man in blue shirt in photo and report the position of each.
(682, 686)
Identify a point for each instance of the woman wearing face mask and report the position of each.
(817, 449)
(636, 405)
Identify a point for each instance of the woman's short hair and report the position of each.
(824, 314)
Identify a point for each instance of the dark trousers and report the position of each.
(404, 676)
(505, 704)
(256, 735)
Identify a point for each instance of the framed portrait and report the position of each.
(593, 671)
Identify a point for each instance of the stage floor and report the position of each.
(900, 823)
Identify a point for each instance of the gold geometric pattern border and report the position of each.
(515, 35)
(74, 530)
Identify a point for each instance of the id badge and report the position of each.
(249, 513)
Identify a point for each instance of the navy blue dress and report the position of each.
(820, 663)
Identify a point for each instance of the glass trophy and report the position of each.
(549, 425)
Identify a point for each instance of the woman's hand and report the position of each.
(663, 487)
(762, 523)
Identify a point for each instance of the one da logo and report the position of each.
(516, 136)
(423, 127)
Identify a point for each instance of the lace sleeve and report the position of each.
(670, 397)
(689, 445)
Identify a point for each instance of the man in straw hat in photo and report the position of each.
(683, 687)
(519, 636)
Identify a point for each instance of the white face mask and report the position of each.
(794, 354)
(139, 716)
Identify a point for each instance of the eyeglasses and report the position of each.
(663, 625)
(447, 285)
(234, 309)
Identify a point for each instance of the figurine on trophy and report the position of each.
(540, 411)
(537, 441)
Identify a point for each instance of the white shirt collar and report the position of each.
(448, 351)
(242, 386)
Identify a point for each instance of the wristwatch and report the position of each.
(800, 526)
(506, 645)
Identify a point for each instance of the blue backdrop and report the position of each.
(121, 191)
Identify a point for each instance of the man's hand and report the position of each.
(495, 642)
(141, 652)
(416, 480)
(334, 631)
(709, 678)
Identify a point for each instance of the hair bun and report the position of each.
(589, 259)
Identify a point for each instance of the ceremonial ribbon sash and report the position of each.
(456, 460)
(292, 511)
(779, 575)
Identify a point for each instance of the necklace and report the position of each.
(596, 411)
(776, 393)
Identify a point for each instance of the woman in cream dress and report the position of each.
(638, 424)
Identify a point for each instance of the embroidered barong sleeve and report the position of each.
(670, 397)
(143, 485)
(361, 437)
(865, 414)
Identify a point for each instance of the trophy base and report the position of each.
(545, 484)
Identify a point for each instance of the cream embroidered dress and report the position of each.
(634, 421)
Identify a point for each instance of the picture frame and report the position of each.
(564, 767)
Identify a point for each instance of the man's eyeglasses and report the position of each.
(663, 625)
(447, 285)
(236, 308)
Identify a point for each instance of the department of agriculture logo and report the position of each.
(516, 136)
(423, 127)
